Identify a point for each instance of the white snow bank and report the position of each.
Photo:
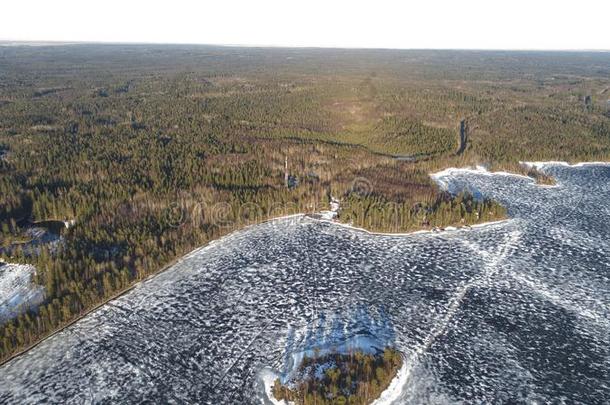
(423, 231)
(327, 215)
(480, 170)
(366, 344)
(541, 165)
(334, 210)
(268, 378)
(17, 292)
(334, 204)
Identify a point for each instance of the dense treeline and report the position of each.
(357, 378)
(377, 214)
(153, 151)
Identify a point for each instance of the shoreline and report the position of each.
(392, 393)
(563, 163)
(482, 170)
(479, 170)
(213, 242)
(388, 396)
(163, 268)
(419, 232)
(267, 375)
(119, 294)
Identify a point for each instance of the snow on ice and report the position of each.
(513, 312)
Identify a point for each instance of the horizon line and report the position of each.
(20, 42)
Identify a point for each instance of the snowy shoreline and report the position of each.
(388, 396)
(394, 390)
(325, 217)
(420, 232)
(542, 164)
(268, 378)
(494, 253)
(481, 170)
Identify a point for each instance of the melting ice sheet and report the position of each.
(513, 312)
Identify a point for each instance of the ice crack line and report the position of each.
(489, 271)
(571, 305)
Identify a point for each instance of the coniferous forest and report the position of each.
(146, 152)
(355, 378)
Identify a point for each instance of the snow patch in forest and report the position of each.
(17, 291)
(366, 344)
(331, 214)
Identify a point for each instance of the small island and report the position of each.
(356, 378)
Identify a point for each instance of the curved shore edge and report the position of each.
(326, 216)
(395, 389)
(420, 232)
(387, 397)
(542, 164)
(167, 266)
(268, 378)
(127, 289)
(480, 170)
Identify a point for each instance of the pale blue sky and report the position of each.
(488, 24)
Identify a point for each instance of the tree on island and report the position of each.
(356, 378)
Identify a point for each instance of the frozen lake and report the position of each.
(513, 312)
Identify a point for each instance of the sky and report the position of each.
(461, 24)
